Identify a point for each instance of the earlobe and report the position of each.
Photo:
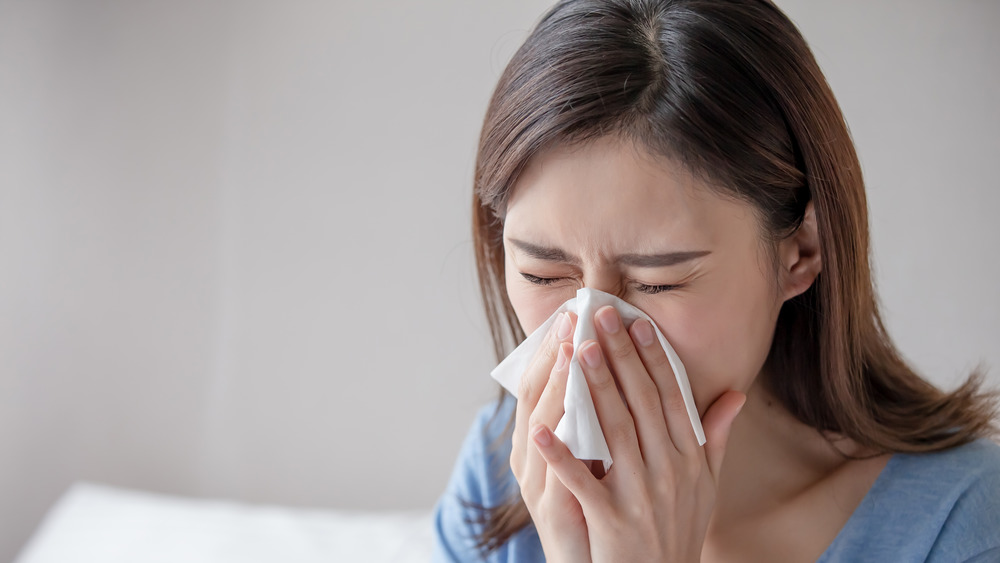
(801, 256)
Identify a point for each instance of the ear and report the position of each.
(801, 259)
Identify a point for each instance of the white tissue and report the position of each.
(579, 428)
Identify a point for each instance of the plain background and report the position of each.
(235, 257)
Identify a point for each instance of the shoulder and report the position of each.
(480, 479)
(965, 485)
(483, 461)
(486, 449)
(934, 506)
(958, 478)
(494, 421)
(953, 470)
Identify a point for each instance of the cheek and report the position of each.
(533, 305)
(723, 337)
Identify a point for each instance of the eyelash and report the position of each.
(642, 288)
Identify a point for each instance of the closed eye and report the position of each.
(641, 287)
(539, 281)
(654, 289)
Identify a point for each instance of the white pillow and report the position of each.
(95, 523)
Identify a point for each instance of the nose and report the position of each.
(608, 284)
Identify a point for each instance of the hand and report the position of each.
(557, 515)
(655, 502)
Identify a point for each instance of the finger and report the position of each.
(616, 422)
(571, 472)
(555, 490)
(641, 395)
(549, 409)
(530, 389)
(672, 403)
(718, 421)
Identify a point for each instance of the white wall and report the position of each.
(235, 247)
(919, 82)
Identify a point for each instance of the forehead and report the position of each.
(611, 195)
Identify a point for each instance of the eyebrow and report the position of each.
(551, 254)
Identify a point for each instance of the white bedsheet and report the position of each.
(96, 523)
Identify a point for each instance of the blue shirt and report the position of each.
(937, 507)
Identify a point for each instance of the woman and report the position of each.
(688, 157)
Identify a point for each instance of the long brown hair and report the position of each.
(730, 89)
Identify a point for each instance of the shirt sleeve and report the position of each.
(476, 481)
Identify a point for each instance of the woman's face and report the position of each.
(609, 216)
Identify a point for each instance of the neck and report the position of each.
(771, 458)
(784, 491)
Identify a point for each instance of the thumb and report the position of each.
(717, 422)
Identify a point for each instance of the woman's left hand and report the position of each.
(656, 501)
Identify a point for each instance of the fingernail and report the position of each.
(565, 326)
(542, 436)
(743, 404)
(608, 318)
(592, 354)
(643, 332)
(561, 358)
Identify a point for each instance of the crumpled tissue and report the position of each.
(579, 428)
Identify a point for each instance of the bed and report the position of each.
(98, 523)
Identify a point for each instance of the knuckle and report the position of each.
(575, 480)
(673, 401)
(621, 432)
(696, 470)
(567, 350)
(663, 487)
(622, 348)
(555, 384)
(524, 387)
(639, 511)
(533, 422)
(648, 400)
(601, 380)
(659, 361)
(518, 468)
(530, 493)
(543, 358)
(548, 351)
(554, 456)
